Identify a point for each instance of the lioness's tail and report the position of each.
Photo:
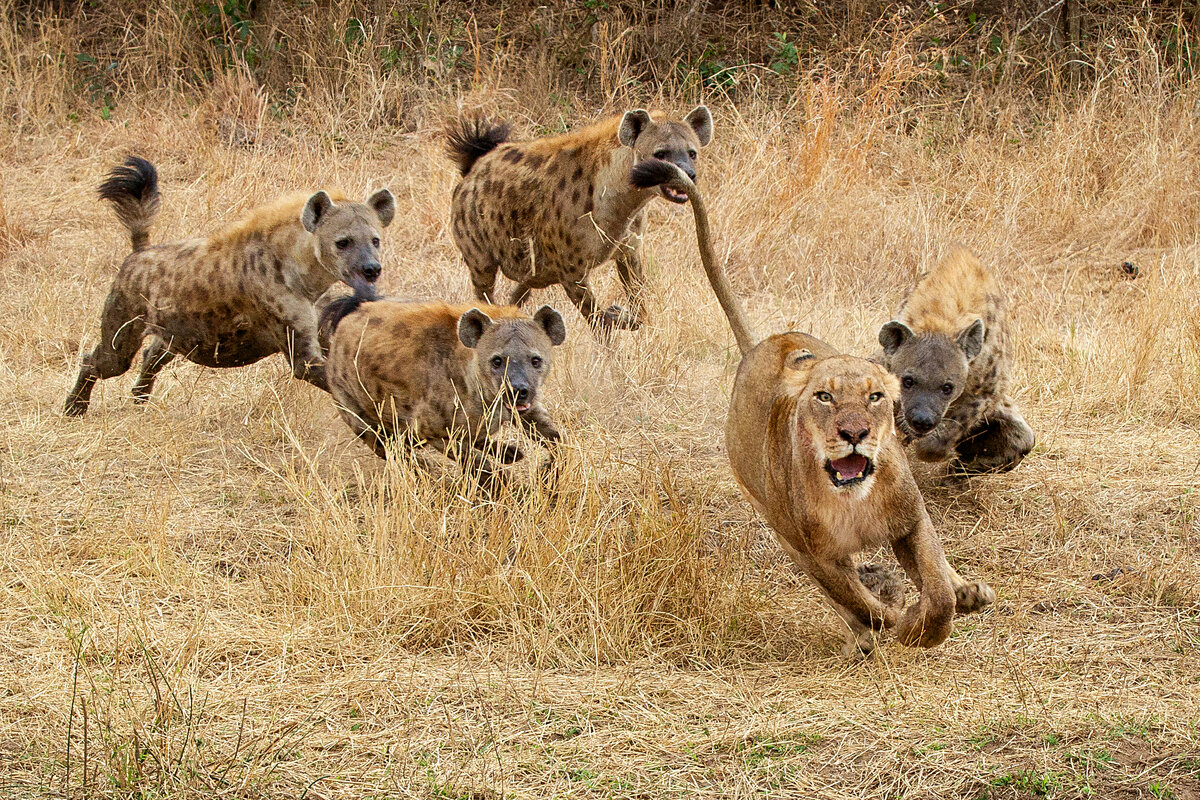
(470, 138)
(132, 188)
(654, 172)
(343, 307)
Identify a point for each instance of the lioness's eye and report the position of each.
(497, 362)
(342, 244)
(876, 397)
(535, 362)
(824, 397)
(947, 388)
(908, 382)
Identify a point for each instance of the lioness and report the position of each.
(811, 439)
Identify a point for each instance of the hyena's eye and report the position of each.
(692, 154)
(661, 155)
(497, 362)
(947, 388)
(824, 397)
(375, 242)
(908, 382)
(342, 244)
(875, 397)
(536, 362)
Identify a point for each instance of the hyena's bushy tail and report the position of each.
(342, 307)
(470, 138)
(132, 188)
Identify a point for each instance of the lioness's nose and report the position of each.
(853, 435)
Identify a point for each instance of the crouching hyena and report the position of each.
(436, 375)
(550, 210)
(235, 297)
(948, 347)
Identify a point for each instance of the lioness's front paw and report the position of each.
(973, 596)
(620, 318)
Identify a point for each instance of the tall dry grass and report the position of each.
(223, 593)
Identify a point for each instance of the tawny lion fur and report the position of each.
(798, 407)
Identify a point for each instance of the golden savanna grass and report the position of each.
(223, 594)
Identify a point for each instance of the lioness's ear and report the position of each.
(471, 327)
(700, 118)
(798, 358)
(894, 334)
(970, 339)
(632, 125)
(891, 384)
(317, 206)
(552, 323)
(384, 206)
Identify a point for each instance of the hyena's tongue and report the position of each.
(849, 467)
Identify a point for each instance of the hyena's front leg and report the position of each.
(302, 347)
(999, 443)
(628, 258)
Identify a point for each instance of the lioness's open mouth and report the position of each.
(850, 470)
(674, 195)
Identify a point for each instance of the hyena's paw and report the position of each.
(509, 454)
(885, 583)
(618, 317)
(973, 596)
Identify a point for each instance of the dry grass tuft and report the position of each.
(222, 593)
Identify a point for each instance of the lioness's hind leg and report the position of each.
(883, 582)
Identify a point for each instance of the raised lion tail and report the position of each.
(470, 138)
(132, 188)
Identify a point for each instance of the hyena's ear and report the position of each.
(970, 339)
(471, 327)
(893, 335)
(384, 206)
(317, 207)
(632, 125)
(700, 118)
(552, 323)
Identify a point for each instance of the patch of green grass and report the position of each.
(1039, 784)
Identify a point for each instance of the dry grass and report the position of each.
(223, 594)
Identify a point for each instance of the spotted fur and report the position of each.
(232, 298)
(442, 377)
(949, 347)
(551, 210)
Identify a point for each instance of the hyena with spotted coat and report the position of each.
(553, 209)
(235, 297)
(949, 347)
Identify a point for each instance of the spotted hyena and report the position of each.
(230, 299)
(437, 375)
(550, 210)
(949, 347)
